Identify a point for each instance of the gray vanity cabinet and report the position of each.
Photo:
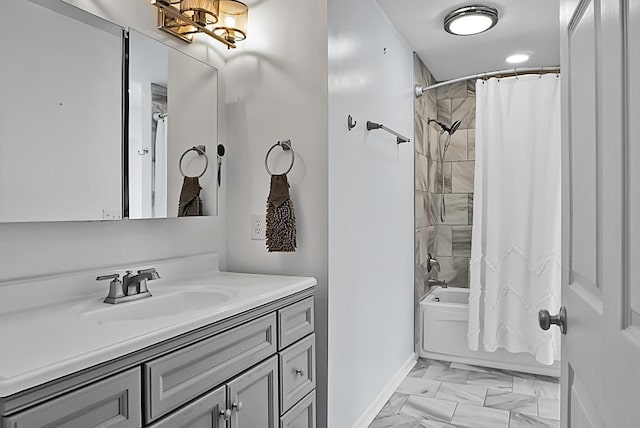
(253, 370)
(110, 403)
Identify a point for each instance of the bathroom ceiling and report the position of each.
(527, 26)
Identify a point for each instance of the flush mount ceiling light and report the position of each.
(223, 20)
(517, 58)
(469, 20)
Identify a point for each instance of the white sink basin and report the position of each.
(162, 305)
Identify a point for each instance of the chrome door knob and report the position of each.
(545, 319)
(225, 414)
(299, 372)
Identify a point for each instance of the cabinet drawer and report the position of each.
(297, 372)
(110, 403)
(176, 378)
(295, 322)
(302, 415)
(205, 412)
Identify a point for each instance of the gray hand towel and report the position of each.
(281, 217)
(190, 203)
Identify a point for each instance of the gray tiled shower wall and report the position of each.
(448, 241)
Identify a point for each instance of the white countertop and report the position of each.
(53, 339)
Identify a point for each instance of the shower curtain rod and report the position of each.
(420, 90)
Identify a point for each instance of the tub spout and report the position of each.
(435, 282)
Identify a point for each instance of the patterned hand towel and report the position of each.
(281, 217)
(190, 203)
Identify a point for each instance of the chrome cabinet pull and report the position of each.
(225, 414)
(299, 372)
(237, 406)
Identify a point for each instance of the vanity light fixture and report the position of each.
(469, 20)
(204, 12)
(215, 18)
(232, 25)
(517, 58)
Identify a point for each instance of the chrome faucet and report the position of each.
(132, 287)
(435, 282)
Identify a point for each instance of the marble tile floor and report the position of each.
(439, 394)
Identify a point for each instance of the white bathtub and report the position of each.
(444, 315)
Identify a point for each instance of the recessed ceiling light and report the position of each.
(517, 58)
(469, 20)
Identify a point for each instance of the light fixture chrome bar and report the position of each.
(175, 14)
(400, 138)
(420, 90)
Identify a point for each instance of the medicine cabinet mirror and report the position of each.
(172, 109)
(61, 120)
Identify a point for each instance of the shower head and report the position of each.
(449, 129)
(454, 127)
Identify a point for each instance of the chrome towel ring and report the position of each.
(286, 146)
(200, 150)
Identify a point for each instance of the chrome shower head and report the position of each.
(448, 129)
(454, 127)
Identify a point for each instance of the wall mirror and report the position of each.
(61, 120)
(173, 109)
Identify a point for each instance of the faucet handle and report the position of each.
(432, 263)
(114, 277)
(115, 287)
(153, 274)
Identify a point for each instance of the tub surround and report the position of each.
(55, 326)
(448, 241)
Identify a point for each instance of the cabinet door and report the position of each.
(110, 403)
(205, 412)
(253, 397)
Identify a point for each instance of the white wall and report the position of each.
(42, 248)
(370, 208)
(276, 90)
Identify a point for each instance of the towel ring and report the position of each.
(200, 150)
(286, 146)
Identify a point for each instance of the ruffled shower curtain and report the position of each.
(515, 251)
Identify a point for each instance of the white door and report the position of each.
(600, 49)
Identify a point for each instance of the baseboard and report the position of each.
(378, 403)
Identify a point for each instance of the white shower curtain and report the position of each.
(515, 251)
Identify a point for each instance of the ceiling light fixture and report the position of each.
(469, 20)
(517, 58)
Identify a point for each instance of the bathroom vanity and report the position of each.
(207, 349)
